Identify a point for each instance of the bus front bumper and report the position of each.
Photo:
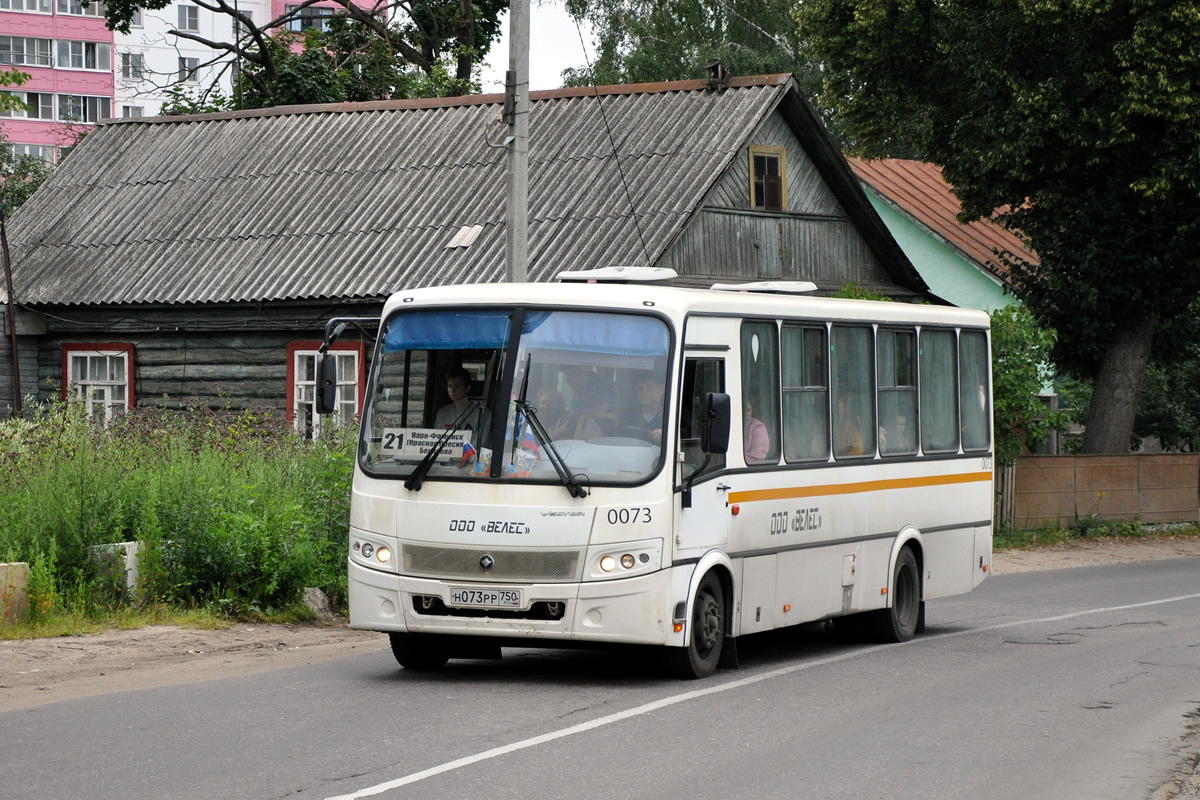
(631, 610)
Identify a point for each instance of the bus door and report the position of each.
(705, 523)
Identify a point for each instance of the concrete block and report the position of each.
(14, 591)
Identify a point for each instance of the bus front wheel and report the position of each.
(709, 625)
(419, 652)
(899, 622)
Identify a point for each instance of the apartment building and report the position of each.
(82, 72)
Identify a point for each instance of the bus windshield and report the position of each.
(498, 393)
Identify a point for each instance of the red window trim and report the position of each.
(105, 348)
(294, 347)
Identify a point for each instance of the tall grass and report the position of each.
(232, 510)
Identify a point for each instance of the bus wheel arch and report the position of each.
(904, 614)
(709, 622)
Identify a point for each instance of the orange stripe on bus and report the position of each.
(790, 492)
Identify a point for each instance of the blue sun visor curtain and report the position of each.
(614, 334)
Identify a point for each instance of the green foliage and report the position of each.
(1020, 370)
(231, 510)
(8, 100)
(852, 291)
(431, 48)
(641, 41)
(1169, 407)
(20, 175)
(1079, 121)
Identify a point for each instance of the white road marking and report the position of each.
(647, 708)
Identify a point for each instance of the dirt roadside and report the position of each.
(39, 671)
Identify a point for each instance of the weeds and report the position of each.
(232, 511)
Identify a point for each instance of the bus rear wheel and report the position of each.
(709, 626)
(899, 622)
(417, 652)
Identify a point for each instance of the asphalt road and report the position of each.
(1060, 684)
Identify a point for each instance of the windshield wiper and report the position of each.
(413, 482)
(544, 440)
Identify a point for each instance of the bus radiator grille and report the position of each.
(508, 565)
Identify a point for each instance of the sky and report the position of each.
(553, 46)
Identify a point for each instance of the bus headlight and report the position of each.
(383, 555)
(627, 560)
(368, 549)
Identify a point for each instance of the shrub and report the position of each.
(229, 508)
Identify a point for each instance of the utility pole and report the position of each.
(516, 116)
(12, 314)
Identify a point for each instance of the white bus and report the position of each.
(609, 460)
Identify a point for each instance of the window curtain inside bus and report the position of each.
(852, 362)
(760, 390)
(975, 398)
(805, 394)
(939, 395)
(897, 393)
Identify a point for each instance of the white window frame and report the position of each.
(303, 386)
(189, 69)
(42, 104)
(133, 66)
(35, 52)
(27, 6)
(74, 54)
(106, 394)
(132, 112)
(87, 104)
(189, 17)
(75, 8)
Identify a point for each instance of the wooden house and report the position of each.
(174, 260)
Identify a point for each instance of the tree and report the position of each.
(390, 49)
(1020, 368)
(1073, 122)
(640, 41)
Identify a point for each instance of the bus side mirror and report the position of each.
(714, 434)
(326, 383)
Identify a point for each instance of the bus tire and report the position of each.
(900, 621)
(709, 626)
(422, 653)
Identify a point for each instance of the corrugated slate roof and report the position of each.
(360, 200)
(917, 189)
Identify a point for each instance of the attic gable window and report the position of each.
(100, 376)
(768, 177)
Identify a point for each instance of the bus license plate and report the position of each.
(485, 598)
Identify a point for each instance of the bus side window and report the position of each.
(700, 376)
(760, 393)
(853, 362)
(805, 394)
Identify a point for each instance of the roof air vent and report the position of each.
(768, 287)
(618, 275)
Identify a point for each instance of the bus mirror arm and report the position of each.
(326, 368)
(714, 437)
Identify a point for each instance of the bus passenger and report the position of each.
(458, 387)
(901, 438)
(756, 440)
(849, 434)
(552, 413)
(645, 420)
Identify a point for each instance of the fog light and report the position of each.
(355, 547)
(608, 563)
(383, 555)
(367, 549)
(627, 561)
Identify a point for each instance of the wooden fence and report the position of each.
(1058, 490)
